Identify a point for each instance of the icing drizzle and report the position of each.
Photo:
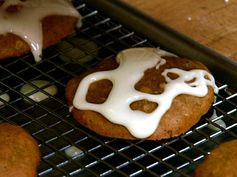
(25, 21)
(132, 64)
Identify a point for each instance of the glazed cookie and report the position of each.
(143, 93)
(19, 152)
(31, 25)
(221, 162)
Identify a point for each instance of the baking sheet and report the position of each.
(51, 124)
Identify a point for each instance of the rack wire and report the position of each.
(51, 124)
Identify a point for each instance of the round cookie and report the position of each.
(184, 112)
(221, 162)
(43, 28)
(19, 152)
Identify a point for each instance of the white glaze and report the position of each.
(38, 96)
(5, 97)
(213, 118)
(219, 122)
(132, 64)
(27, 22)
(73, 151)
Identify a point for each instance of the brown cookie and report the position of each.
(184, 112)
(19, 152)
(54, 28)
(221, 162)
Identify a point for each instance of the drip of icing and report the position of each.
(73, 151)
(215, 119)
(30, 89)
(219, 122)
(26, 23)
(133, 63)
(5, 97)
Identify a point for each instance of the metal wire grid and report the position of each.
(51, 125)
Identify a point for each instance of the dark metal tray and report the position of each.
(103, 34)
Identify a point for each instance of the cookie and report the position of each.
(32, 25)
(19, 152)
(143, 93)
(221, 162)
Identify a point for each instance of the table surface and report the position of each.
(210, 22)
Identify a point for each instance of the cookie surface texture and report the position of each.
(19, 152)
(184, 112)
(221, 162)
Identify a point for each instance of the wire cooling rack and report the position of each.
(51, 124)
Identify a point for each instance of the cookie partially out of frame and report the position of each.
(221, 162)
(32, 25)
(54, 27)
(185, 111)
(19, 152)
